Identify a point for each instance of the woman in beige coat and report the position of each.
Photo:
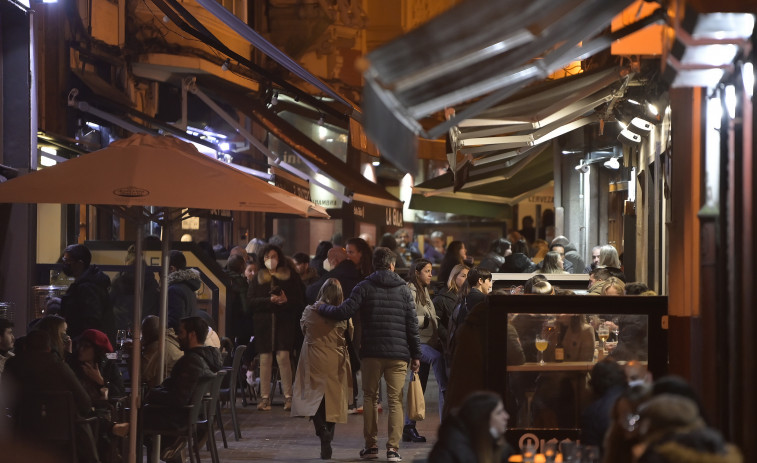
(323, 385)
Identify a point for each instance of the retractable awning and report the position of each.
(488, 192)
(481, 52)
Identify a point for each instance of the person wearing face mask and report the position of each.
(277, 298)
(474, 432)
(86, 304)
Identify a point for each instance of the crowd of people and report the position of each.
(317, 321)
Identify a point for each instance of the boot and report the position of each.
(410, 434)
(326, 436)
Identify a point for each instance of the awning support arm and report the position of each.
(191, 85)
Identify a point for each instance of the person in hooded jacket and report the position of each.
(499, 249)
(182, 284)
(277, 298)
(86, 303)
(518, 261)
(474, 433)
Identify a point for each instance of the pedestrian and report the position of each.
(323, 384)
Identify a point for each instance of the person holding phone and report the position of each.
(277, 297)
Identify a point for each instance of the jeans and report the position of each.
(434, 358)
(285, 370)
(394, 372)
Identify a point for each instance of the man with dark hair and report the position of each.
(199, 361)
(6, 341)
(608, 381)
(182, 284)
(86, 304)
(239, 315)
(302, 264)
(390, 342)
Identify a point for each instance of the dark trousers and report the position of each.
(320, 423)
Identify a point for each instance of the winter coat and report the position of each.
(444, 303)
(276, 326)
(87, 305)
(518, 263)
(238, 310)
(176, 390)
(122, 297)
(323, 370)
(150, 358)
(110, 373)
(454, 445)
(389, 327)
(429, 333)
(698, 446)
(182, 300)
(30, 372)
(311, 276)
(347, 274)
(492, 262)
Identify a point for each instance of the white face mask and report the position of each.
(271, 264)
(327, 265)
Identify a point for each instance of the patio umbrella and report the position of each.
(146, 170)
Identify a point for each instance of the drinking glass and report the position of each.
(616, 327)
(550, 451)
(528, 450)
(120, 338)
(604, 333)
(541, 345)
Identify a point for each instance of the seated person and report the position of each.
(93, 369)
(151, 350)
(176, 391)
(38, 369)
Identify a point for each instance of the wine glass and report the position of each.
(603, 332)
(120, 338)
(541, 345)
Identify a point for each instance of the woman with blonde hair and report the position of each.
(445, 299)
(540, 249)
(613, 287)
(323, 385)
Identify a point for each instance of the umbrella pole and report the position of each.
(136, 350)
(166, 249)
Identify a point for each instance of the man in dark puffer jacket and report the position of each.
(389, 340)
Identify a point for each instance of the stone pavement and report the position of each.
(276, 436)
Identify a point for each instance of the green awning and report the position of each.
(488, 192)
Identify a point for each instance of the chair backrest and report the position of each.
(202, 388)
(215, 390)
(49, 415)
(236, 364)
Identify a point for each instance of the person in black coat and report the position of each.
(86, 303)
(474, 433)
(499, 249)
(608, 381)
(182, 284)
(122, 293)
(277, 298)
(94, 370)
(339, 267)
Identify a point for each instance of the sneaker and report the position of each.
(265, 404)
(250, 380)
(369, 454)
(288, 404)
(380, 408)
(352, 410)
(359, 410)
(393, 455)
(174, 449)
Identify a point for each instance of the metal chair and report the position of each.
(229, 394)
(179, 421)
(51, 416)
(212, 412)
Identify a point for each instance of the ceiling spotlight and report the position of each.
(612, 163)
(583, 168)
(226, 65)
(629, 138)
(638, 124)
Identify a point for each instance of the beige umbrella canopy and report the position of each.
(145, 170)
